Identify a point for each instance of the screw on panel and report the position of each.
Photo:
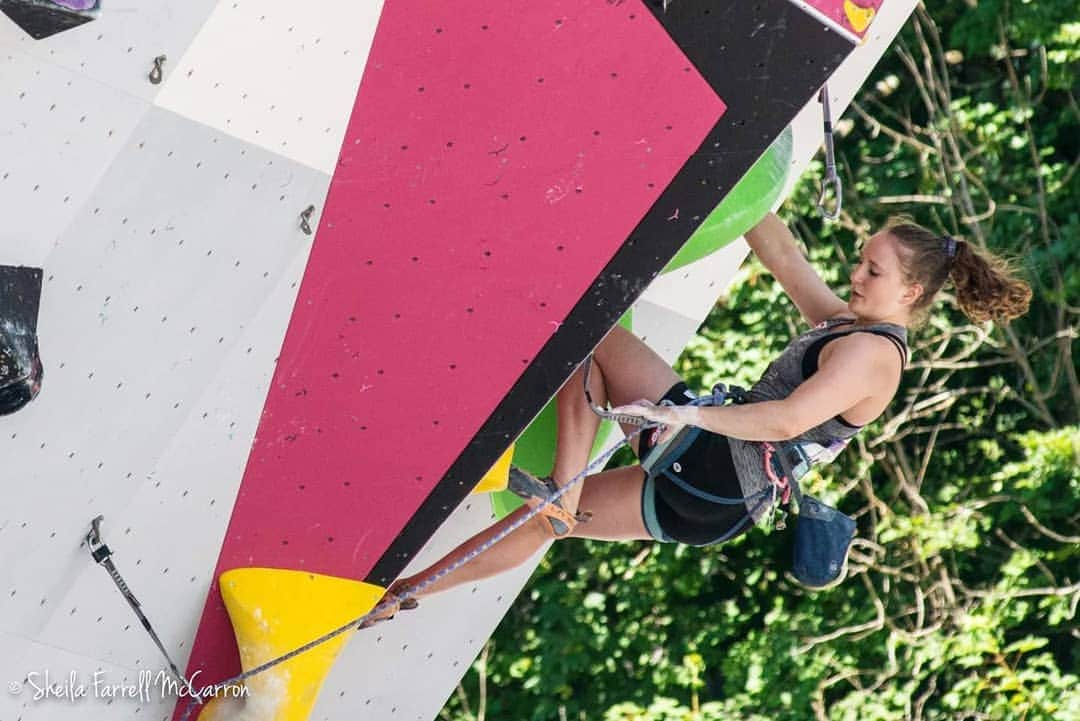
(157, 73)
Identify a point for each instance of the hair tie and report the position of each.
(950, 246)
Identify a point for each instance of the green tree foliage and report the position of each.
(964, 585)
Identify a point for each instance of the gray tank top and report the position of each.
(787, 371)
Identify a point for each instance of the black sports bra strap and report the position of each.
(810, 357)
(901, 346)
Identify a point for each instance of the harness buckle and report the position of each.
(723, 393)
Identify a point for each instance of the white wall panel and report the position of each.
(59, 131)
(167, 535)
(407, 668)
(277, 74)
(164, 307)
(24, 661)
(118, 47)
(693, 289)
(666, 331)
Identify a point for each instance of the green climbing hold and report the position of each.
(746, 204)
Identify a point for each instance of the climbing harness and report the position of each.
(831, 179)
(103, 556)
(790, 461)
(785, 463)
(663, 460)
(823, 533)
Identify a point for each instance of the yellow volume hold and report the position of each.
(497, 478)
(859, 17)
(274, 611)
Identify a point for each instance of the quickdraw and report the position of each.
(831, 179)
(103, 556)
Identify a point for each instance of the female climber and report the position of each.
(823, 388)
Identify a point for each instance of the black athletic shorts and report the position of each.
(681, 505)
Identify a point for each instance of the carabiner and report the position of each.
(831, 179)
(98, 549)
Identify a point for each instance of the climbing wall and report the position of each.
(491, 191)
(172, 255)
(453, 625)
(475, 244)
